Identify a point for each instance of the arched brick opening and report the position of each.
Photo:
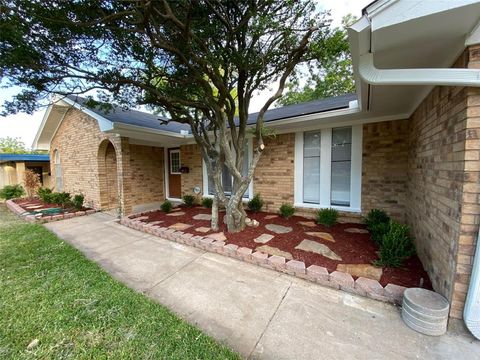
(108, 176)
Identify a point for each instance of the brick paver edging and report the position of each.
(338, 280)
(21, 212)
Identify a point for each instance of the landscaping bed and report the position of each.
(344, 247)
(36, 210)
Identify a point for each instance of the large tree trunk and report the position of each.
(214, 224)
(235, 215)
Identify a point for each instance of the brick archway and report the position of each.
(108, 176)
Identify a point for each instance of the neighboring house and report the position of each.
(12, 167)
(407, 142)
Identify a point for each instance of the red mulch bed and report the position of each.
(36, 202)
(351, 247)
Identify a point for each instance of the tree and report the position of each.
(329, 76)
(12, 145)
(188, 58)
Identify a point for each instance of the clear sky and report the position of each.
(25, 126)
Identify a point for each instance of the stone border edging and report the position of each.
(370, 288)
(21, 212)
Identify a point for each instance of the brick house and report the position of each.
(408, 141)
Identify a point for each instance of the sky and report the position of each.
(25, 126)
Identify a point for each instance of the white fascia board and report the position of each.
(103, 123)
(474, 37)
(40, 129)
(444, 77)
(140, 129)
(312, 117)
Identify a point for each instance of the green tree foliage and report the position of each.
(198, 61)
(330, 76)
(11, 145)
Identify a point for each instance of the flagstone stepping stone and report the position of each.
(321, 235)
(178, 213)
(278, 229)
(317, 248)
(264, 238)
(269, 217)
(274, 251)
(218, 236)
(34, 206)
(203, 229)
(202, 217)
(180, 226)
(156, 222)
(361, 270)
(141, 218)
(307, 223)
(356, 231)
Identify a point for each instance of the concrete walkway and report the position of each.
(262, 314)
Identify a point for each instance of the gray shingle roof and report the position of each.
(147, 120)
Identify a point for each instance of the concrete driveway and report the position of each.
(261, 314)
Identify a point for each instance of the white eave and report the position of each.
(401, 49)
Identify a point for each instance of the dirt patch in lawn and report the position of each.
(353, 247)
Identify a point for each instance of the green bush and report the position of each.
(378, 223)
(327, 217)
(11, 192)
(207, 202)
(255, 204)
(397, 246)
(376, 216)
(166, 206)
(44, 194)
(377, 231)
(60, 198)
(77, 201)
(188, 200)
(287, 210)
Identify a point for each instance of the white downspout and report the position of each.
(471, 311)
(441, 77)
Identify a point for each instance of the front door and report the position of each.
(174, 177)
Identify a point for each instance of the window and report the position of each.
(328, 168)
(341, 166)
(175, 161)
(227, 179)
(58, 171)
(311, 166)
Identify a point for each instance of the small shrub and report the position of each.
(255, 204)
(207, 202)
(376, 216)
(378, 223)
(188, 200)
(77, 201)
(44, 194)
(11, 192)
(60, 198)
(287, 210)
(397, 246)
(166, 206)
(377, 231)
(31, 180)
(327, 217)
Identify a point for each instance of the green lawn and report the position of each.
(49, 291)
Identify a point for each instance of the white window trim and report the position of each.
(205, 175)
(326, 169)
(170, 161)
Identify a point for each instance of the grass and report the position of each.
(49, 291)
